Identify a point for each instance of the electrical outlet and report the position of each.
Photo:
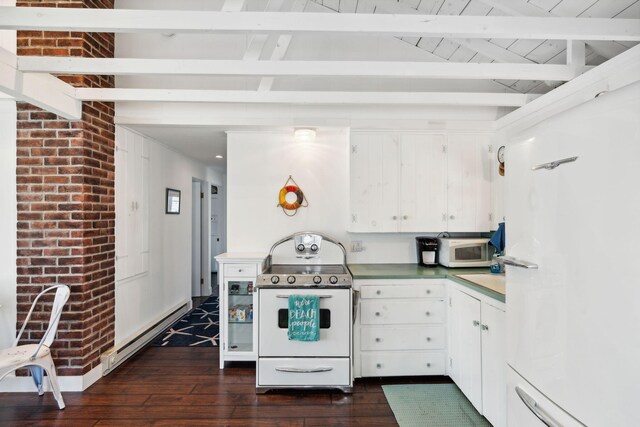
(356, 246)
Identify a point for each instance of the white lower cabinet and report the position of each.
(477, 351)
(400, 328)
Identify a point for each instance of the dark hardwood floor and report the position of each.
(179, 386)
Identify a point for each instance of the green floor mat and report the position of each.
(437, 405)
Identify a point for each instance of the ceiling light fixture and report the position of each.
(304, 135)
(219, 156)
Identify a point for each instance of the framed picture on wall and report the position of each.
(173, 201)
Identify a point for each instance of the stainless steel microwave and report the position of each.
(464, 252)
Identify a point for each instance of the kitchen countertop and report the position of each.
(415, 271)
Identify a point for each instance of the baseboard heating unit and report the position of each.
(113, 357)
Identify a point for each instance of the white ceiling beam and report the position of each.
(177, 21)
(298, 97)
(493, 51)
(481, 46)
(42, 90)
(280, 50)
(606, 49)
(576, 55)
(232, 5)
(433, 70)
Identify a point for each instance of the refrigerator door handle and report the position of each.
(509, 260)
(537, 411)
(552, 165)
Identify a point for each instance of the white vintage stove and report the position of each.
(326, 363)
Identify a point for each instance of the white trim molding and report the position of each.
(13, 384)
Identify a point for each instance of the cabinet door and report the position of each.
(238, 312)
(469, 183)
(374, 182)
(464, 346)
(423, 183)
(132, 206)
(494, 365)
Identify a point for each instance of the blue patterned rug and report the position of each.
(198, 328)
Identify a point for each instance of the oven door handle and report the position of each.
(319, 296)
(304, 370)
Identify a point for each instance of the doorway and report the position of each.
(217, 233)
(200, 282)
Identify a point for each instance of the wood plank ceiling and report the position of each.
(503, 50)
(326, 52)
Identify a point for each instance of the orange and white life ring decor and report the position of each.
(291, 198)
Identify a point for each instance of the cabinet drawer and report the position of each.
(383, 363)
(435, 290)
(394, 312)
(405, 338)
(304, 372)
(240, 270)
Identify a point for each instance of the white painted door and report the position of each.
(494, 365)
(374, 177)
(469, 183)
(464, 346)
(423, 183)
(196, 240)
(216, 229)
(132, 204)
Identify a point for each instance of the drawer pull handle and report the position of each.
(378, 340)
(428, 338)
(428, 313)
(240, 270)
(484, 327)
(428, 365)
(476, 323)
(378, 365)
(378, 292)
(428, 291)
(377, 313)
(304, 370)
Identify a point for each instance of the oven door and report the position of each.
(335, 324)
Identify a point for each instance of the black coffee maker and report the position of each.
(427, 248)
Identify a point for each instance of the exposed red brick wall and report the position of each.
(66, 209)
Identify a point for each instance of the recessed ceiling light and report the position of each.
(219, 156)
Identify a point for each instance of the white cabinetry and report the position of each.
(238, 332)
(132, 204)
(417, 182)
(400, 328)
(477, 351)
(469, 183)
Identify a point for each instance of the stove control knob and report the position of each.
(275, 279)
(333, 280)
(317, 280)
(291, 280)
(314, 248)
(300, 247)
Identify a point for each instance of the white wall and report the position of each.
(8, 214)
(143, 300)
(258, 164)
(8, 221)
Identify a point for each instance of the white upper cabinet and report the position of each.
(374, 182)
(469, 183)
(419, 182)
(423, 183)
(132, 204)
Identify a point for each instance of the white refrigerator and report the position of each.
(573, 286)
